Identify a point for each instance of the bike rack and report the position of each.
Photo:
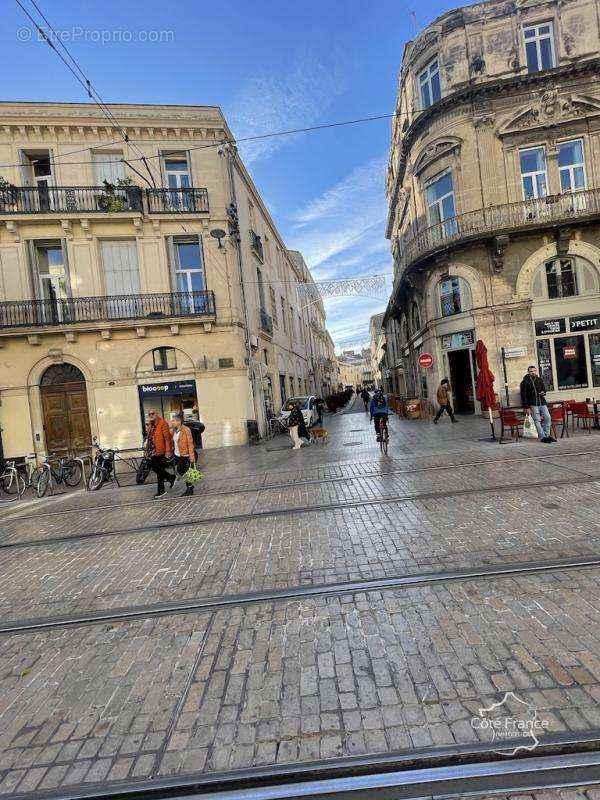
(82, 461)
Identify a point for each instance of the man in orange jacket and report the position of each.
(159, 448)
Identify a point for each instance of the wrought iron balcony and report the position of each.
(96, 199)
(68, 199)
(420, 243)
(71, 310)
(257, 245)
(266, 322)
(177, 201)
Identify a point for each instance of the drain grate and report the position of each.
(351, 444)
(357, 430)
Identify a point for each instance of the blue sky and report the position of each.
(271, 66)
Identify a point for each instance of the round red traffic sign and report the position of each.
(426, 360)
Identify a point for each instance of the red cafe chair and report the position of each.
(558, 416)
(509, 419)
(581, 413)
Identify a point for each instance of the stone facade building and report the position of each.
(494, 201)
(168, 285)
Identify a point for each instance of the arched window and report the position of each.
(564, 277)
(164, 358)
(415, 317)
(62, 373)
(454, 296)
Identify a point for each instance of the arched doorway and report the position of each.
(65, 409)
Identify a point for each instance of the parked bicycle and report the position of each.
(102, 468)
(60, 470)
(17, 477)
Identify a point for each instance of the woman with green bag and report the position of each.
(185, 454)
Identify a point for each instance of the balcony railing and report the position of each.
(28, 313)
(266, 322)
(256, 245)
(92, 199)
(177, 201)
(486, 222)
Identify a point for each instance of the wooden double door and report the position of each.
(66, 418)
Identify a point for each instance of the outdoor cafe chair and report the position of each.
(510, 419)
(581, 413)
(558, 416)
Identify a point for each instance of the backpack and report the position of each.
(197, 428)
(379, 401)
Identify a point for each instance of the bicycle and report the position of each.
(383, 435)
(68, 471)
(17, 477)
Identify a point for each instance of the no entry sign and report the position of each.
(426, 360)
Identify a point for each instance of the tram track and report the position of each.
(300, 510)
(560, 760)
(306, 482)
(224, 601)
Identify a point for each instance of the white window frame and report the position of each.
(424, 79)
(185, 270)
(571, 167)
(177, 174)
(537, 39)
(440, 200)
(543, 172)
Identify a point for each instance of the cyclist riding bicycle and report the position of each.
(365, 397)
(379, 411)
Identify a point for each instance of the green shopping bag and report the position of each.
(193, 476)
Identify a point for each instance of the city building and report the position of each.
(355, 368)
(377, 348)
(493, 186)
(137, 274)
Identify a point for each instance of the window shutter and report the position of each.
(63, 244)
(588, 277)
(33, 271)
(537, 286)
(171, 260)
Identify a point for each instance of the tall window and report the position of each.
(429, 84)
(108, 167)
(121, 270)
(273, 306)
(561, 278)
(261, 289)
(440, 204)
(292, 326)
(189, 273)
(539, 47)
(533, 172)
(177, 172)
(50, 271)
(283, 315)
(450, 298)
(571, 165)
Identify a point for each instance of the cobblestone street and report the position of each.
(308, 605)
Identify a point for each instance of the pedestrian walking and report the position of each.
(533, 400)
(159, 449)
(443, 398)
(320, 406)
(296, 426)
(365, 397)
(183, 449)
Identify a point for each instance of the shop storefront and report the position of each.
(168, 398)
(568, 354)
(458, 351)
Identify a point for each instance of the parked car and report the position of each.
(307, 406)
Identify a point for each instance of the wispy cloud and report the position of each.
(266, 104)
(341, 235)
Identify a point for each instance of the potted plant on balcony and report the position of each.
(8, 194)
(122, 196)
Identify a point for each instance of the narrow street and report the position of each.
(330, 603)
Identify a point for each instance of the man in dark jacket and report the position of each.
(533, 399)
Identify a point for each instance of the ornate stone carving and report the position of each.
(424, 41)
(499, 245)
(551, 109)
(435, 149)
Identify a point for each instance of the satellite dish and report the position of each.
(218, 234)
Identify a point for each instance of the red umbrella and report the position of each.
(484, 389)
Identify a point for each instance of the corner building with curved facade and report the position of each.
(493, 187)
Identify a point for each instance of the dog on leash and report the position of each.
(319, 434)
